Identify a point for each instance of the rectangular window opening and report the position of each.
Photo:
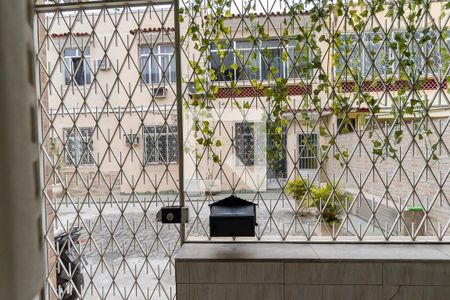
(158, 64)
(78, 68)
(308, 151)
(160, 143)
(79, 146)
(245, 143)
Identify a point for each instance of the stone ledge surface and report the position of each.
(281, 252)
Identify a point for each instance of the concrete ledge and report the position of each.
(312, 271)
(312, 252)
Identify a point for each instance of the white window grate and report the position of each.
(79, 146)
(360, 123)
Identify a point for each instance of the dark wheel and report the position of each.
(78, 282)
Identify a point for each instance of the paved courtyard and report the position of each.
(127, 243)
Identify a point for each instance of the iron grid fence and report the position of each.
(332, 117)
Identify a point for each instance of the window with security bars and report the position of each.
(308, 151)
(77, 66)
(157, 64)
(245, 143)
(79, 146)
(160, 144)
(261, 60)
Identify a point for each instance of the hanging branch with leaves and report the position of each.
(336, 30)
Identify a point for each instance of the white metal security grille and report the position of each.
(128, 97)
(94, 176)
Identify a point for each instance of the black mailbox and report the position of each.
(232, 216)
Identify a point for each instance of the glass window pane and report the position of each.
(248, 65)
(225, 60)
(144, 50)
(165, 60)
(159, 64)
(215, 63)
(87, 70)
(297, 60)
(348, 57)
(150, 148)
(78, 67)
(244, 45)
(70, 52)
(272, 64)
(155, 69)
(79, 146)
(145, 69)
(271, 44)
(172, 147)
(173, 69)
(166, 49)
(67, 70)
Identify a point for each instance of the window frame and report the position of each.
(291, 62)
(391, 61)
(233, 49)
(148, 64)
(166, 131)
(83, 157)
(247, 162)
(310, 161)
(85, 57)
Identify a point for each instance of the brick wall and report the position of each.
(400, 181)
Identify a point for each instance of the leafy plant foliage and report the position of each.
(361, 50)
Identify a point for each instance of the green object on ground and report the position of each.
(415, 208)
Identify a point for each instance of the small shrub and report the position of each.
(297, 188)
(334, 206)
(300, 189)
(318, 196)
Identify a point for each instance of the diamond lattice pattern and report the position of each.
(359, 153)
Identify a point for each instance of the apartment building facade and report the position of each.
(112, 100)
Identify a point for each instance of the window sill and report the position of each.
(87, 86)
(156, 85)
(152, 164)
(83, 168)
(313, 251)
(238, 164)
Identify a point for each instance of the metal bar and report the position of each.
(179, 100)
(47, 8)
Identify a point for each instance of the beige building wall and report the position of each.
(114, 103)
(122, 96)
